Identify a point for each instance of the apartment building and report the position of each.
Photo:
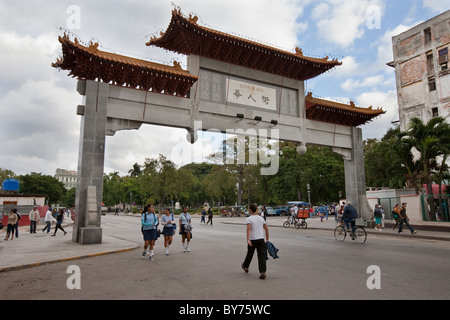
(68, 178)
(421, 63)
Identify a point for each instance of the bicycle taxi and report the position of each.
(298, 221)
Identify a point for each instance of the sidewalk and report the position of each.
(330, 224)
(41, 248)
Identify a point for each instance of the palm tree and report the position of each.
(135, 171)
(431, 140)
(402, 147)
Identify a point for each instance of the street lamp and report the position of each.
(308, 186)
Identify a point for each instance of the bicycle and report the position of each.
(297, 223)
(360, 236)
(288, 222)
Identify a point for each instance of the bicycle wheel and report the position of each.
(286, 224)
(340, 233)
(360, 235)
(304, 225)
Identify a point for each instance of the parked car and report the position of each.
(271, 211)
(283, 210)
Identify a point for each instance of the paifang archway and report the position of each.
(231, 84)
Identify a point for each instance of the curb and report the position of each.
(37, 264)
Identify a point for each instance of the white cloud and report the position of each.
(349, 68)
(373, 81)
(437, 6)
(271, 21)
(24, 57)
(343, 21)
(386, 100)
(37, 133)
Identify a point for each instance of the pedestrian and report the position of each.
(256, 229)
(404, 219)
(396, 215)
(264, 213)
(168, 222)
(202, 219)
(34, 218)
(186, 228)
(210, 216)
(378, 215)
(321, 212)
(340, 214)
(16, 226)
(12, 221)
(149, 223)
(59, 220)
(48, 220)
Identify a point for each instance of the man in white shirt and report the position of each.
(294, 213)
(48, 220)
(34, 218)
(256, 228)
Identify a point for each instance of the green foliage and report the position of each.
(36, 183)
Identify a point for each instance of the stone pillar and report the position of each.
(91, 157)
(355, 176)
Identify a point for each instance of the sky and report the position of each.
(39, 128)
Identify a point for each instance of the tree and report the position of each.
(319, 167)
(382, 161)
(6, 174)
(430, 140)
(36, 183)
(135, 171)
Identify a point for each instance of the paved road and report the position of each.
(312, 265)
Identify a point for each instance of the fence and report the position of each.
(435, 207)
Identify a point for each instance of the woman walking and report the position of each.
(185, 229)
(12, 221)
(168, 222)
(396, 215)
(59, 220)
(149, 223)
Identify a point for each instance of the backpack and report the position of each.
(377, 213)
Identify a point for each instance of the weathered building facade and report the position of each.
(421, 67)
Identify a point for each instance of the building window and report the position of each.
(443, 59)
(427, 33)
(430, 64)
(432, 85)
(435, 112)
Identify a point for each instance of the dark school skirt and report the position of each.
(168, 231)
(150, 234)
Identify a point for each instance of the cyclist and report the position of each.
(350, 214)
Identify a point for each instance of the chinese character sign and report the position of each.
(251, 95)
